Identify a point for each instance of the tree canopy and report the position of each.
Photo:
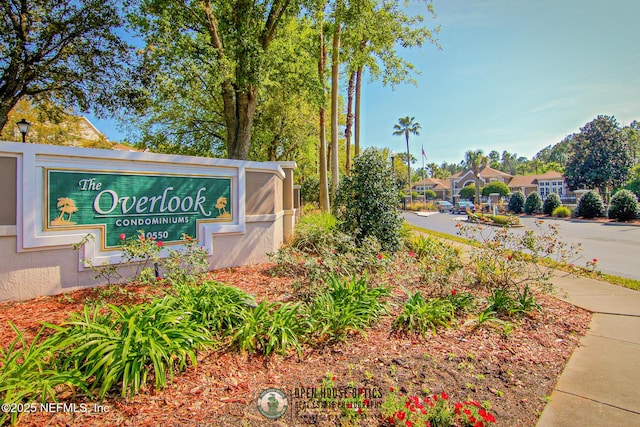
(60, 51)
(600, 156)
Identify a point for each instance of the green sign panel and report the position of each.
(163, 206)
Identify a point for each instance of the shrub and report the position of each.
(186, 265)
(551, 203)
(430, 194)
(316, 231)
(590, 205)
(310, 189)
(505, 220)
(561, 212)
(624, 206)
(468, 192)
(533, 204)
(496, 187)
(365, 202)
(516, 202)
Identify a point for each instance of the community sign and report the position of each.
(166, 207)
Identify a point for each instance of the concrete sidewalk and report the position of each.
(600, 386)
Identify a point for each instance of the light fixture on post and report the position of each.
(23, 127)
(392, 155)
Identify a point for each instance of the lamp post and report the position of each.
(23, 127)
(392, 155)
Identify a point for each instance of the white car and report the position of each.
(444, 206)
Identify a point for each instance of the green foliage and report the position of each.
(437, 261)
(430, 194)
(127, 344)
(561, 212)
(422, 316)
(316, 231)
(271, 327)
(28, 374)
(551, 203)
(511, 261)
(468, 192)
(600, 156)
(221, 309)
(516, 202)
(310, 189)
(496, 187)
(365, 202)
(533, 204)
(186, 265)
(590, 205)
(505, 220)
(624, 206)
(347, 305)
(500, 301)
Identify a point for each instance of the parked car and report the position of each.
(462, 206)
(444, 206)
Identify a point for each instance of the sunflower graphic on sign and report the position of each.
(66, 206)
(221, 205)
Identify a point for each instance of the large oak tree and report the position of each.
(63, 51)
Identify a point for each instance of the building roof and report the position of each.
(523, 181)
(438, 184)
(550, 175)
(489, 172)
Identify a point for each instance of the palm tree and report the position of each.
(405, 126)
(66, 206)
(474, 160)
(221, 205)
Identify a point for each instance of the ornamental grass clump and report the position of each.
(551, 203)
(128, 345)
(347, 305)
(28, 374)
(420, 316)
(561, 212)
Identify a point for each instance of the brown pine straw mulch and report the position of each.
(515, 373)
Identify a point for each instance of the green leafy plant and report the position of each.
(533, 204)
(525, 301)
(127, 344)
(422, 316)
(624, 206)
(516, 202)
(28, 373)
(271, 327)
(463, 302)
(551, 203)
(186, 265)
(590, 205)
(500, 301)
(221, 309)
(561, 212)
(347, 305)
(365, 203)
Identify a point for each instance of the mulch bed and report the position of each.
(515, 372)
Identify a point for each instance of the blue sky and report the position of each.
(513, 75)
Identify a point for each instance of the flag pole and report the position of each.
(424, 191)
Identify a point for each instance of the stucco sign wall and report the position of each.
(164, 206)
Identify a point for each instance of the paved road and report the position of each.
(616, 246)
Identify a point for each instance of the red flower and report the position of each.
(444, 395)
(349, 405)
(509, 258)
(158, 279)
(333, 378)
(123, 236)
(320, 261)
(392, 389)
(412, 254)
(359, 410)
(453, 292)
(408, 423)
(595, 260)
(159, 243)
(379, 256)
(400, 415)
(366, 402)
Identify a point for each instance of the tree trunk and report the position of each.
(335, 68)
(349, 125)
(239, 111)
(357, 108)
(322, 172)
